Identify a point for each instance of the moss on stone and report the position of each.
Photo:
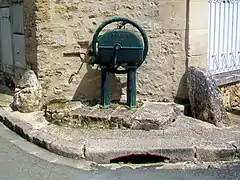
(63, 113)
(57, 106)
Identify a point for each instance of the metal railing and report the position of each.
(224, 36)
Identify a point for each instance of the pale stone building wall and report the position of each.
(177, 31)
(231, 96)
(198, 33)
(196, 41)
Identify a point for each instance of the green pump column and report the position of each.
(105, 89)
(131, 88)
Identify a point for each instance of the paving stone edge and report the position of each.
(38, 137)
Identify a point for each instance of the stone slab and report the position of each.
(147, 117)
(154, 116)
(215, 152)
(106, 149)
(122, 116)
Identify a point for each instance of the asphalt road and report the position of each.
(20, 160)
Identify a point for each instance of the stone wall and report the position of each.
(196, 42)
(198, 33)
(56, 26)
(30, 34)
(231, 95)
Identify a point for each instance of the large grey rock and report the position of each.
(205, 99)
(28, 94)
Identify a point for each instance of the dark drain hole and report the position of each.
(140, 159)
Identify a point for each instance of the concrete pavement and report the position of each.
(186, 140)
(21, 160)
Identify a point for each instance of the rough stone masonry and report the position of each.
(54, 27)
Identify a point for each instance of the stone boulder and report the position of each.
(28, 94)
(205, 98)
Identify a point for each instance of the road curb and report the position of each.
(100, 151)
(37, 152)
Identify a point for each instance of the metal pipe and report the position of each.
(237, 36)
(214, 35)
(233, 60)
(228, 39)
(224, 33)
(219, 36)
(209, 37)
(105, 89)
(131, 88)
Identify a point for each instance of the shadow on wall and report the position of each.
(182, 96)
(30, 34)
(90, 87)
(182, 93)
(6, 84)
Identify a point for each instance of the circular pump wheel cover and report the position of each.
(125, 21)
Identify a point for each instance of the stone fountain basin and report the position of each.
(150, 116)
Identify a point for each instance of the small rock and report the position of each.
(205, 99)
(129, 7)
(92, 16)
(154, 116)
(57, 90)
(28, 94)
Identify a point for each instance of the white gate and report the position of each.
(224, 36)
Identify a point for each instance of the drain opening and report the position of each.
(140, 159)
